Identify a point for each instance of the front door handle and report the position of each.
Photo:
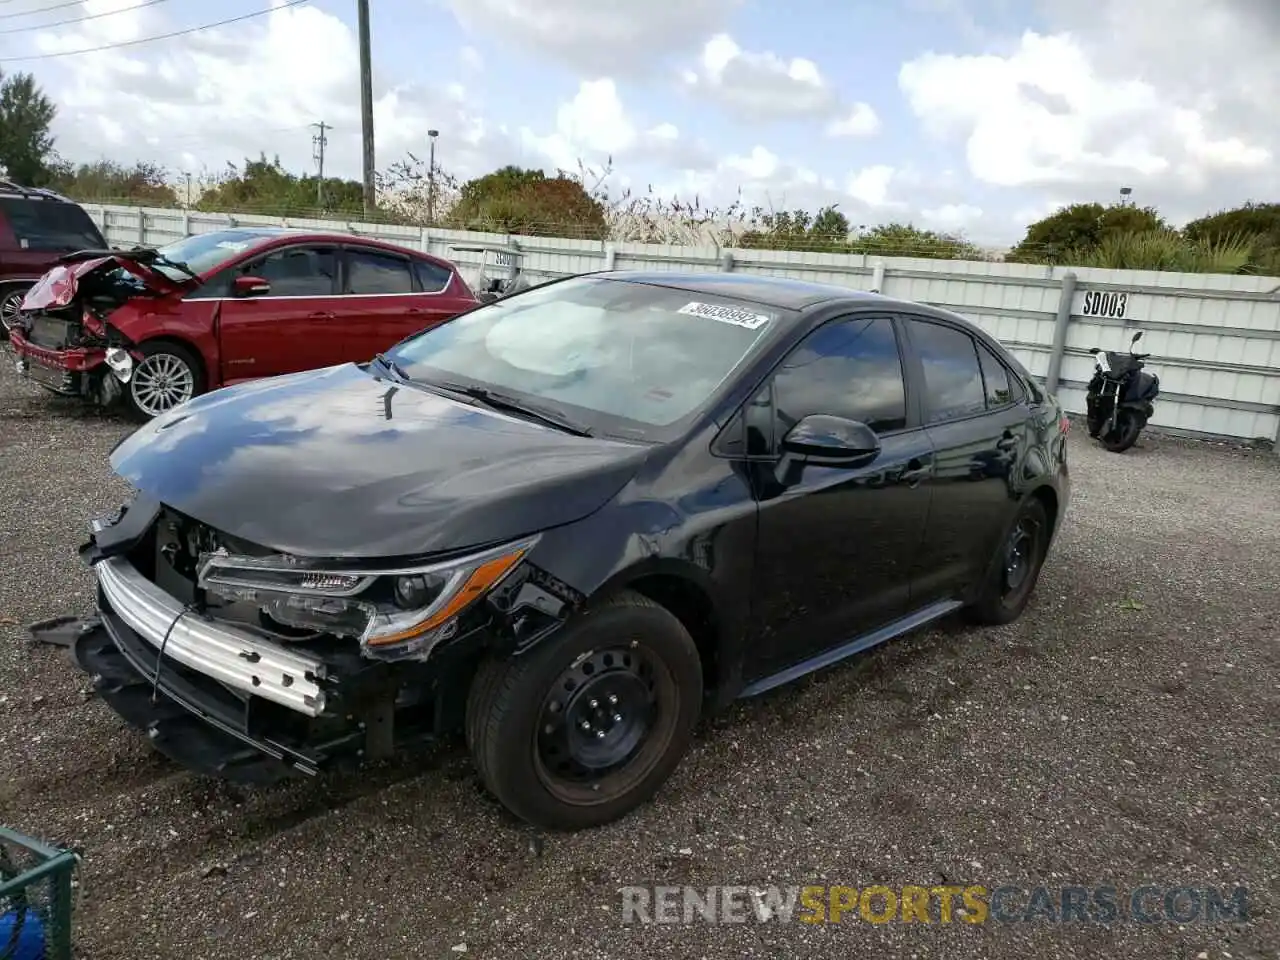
(321, 315)
(915, 471)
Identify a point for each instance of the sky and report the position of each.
(975, 116)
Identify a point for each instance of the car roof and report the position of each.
(11, 191)
(782, 292)
(264, 234)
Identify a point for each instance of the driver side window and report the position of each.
(847, 368)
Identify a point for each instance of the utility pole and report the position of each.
(319, 141)
(366, 102)
(431, 180)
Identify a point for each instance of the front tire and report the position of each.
(587, 728)
(1124, 434)
(1016, 568)
(10, 303)
(168, 374)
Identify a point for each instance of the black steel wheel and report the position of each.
(588, 728)
(1016, 568)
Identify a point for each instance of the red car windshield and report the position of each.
(206, 252)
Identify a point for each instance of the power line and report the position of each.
(31, 13)
(162, 36)
(92, 16)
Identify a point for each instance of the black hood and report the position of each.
(341, 463)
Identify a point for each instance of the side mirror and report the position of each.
(820, 436)
(250, 287)
(1094, 350)
(1136, 337)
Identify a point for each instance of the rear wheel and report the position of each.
(168, 374)
(585, 730)
(1016, 569)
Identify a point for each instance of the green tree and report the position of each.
(1082, 227)
(906, 240)
(106, 181)
(515, 200)
(264, 186)
(1257, 224)
(826, 231)
(26, 146)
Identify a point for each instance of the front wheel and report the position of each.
(168, 374)
(10, 304)
(1125, 432)
(584, 730)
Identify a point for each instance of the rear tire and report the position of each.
(585, 729)
(1015, 569)
(167, 375)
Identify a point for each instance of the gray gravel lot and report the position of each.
(1125, 731)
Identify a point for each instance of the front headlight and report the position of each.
(394, 612)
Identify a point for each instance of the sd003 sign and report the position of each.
(1099, 304)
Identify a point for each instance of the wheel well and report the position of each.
(1049, 498)
(693, 608)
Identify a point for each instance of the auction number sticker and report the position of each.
(1099, 304)
(735, 315)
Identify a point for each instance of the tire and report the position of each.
(10, 300)
(1125, 434)
(523, 720)
(162, 357)
(1000, 602)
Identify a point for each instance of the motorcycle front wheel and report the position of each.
(1124, 434)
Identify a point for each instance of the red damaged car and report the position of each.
(153, 328)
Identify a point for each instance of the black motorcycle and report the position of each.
(1120, 398)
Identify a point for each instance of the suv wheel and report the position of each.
(585, 729)
(167, 375)
(1016, 568)
(10, 301)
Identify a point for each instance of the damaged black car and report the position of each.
(567, 524)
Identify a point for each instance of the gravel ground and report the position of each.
(1124, 731)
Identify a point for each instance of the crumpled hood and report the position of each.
(341, 463)
(58, 286)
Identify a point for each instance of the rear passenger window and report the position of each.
(432, 277)
(952, 375)
(996, 379)
(369, 273)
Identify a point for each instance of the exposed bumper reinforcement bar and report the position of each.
(233, 657)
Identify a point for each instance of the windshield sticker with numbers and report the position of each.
(735, 315)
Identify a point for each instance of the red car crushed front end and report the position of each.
(63, 339)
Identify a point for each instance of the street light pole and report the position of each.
(366, 102)
(431, 179)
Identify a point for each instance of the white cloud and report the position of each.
(471, 58)
(861, 121)
(951, 217)
(762, 86)
(618, 38)
(1055, 115)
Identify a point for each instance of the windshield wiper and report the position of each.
(391, 365)
(502, 401)
(177, 265)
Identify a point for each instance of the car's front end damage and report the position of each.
(249, 665)
(68, 335)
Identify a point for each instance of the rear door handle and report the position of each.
(321, 315)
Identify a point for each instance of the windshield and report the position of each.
(625, 358)
(207, 251)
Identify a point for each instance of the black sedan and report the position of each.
(568, 524)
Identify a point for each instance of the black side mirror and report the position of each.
(1136, 337)
(824, 437)
(1094, 350)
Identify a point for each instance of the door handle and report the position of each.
(915, 471)
(321, 315)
